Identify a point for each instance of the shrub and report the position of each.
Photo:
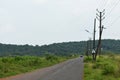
(111, 56)
(108, 69)
(87, 59)
(18, 58)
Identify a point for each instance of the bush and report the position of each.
(108, 69)
(87, 59)
(111, 56)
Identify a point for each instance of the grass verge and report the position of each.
(20, 64)
(107, 67)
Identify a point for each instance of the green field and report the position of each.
(21, 64)
(107, 67)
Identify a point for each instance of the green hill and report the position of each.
(65, 48)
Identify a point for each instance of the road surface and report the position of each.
(68, 70)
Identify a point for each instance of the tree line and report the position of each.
(64, 49)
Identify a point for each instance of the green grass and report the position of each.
(21, 64)
(107, 67)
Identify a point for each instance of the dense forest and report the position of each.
(65, 48)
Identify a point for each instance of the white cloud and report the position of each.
(6, 21)
(40, 1)
(7, 28)
(3, 11)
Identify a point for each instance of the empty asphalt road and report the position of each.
(68, 70)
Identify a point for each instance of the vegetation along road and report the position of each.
(68, 70)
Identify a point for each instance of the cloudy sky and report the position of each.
(39, 22)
